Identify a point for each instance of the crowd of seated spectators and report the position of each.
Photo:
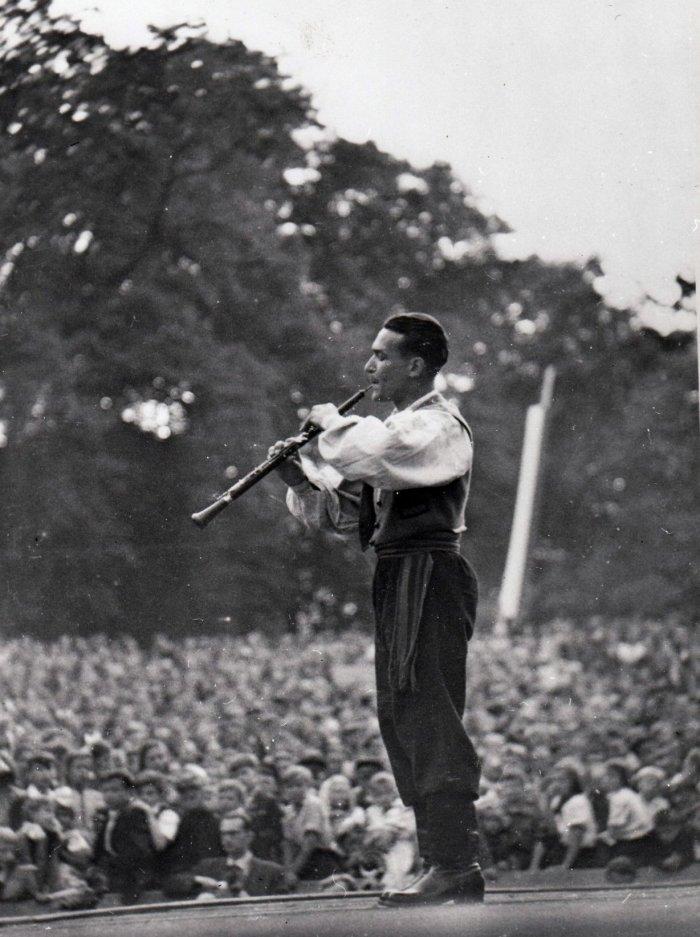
(219, 766)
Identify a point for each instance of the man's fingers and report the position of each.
(307, 424)
(280, 445)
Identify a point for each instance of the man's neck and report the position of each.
(401, 403)
(238, 857)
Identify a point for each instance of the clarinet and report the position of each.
(203, 517)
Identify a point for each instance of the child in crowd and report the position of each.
(244, 767)
(154, 755)
(574, 845)
(124, 847)
(629, 826)
(39, 774)
(17, 875)
(197, 835)
(308, 841)
(494, 838)
(8, 792)
(347, 820)
(76, 848)
(674, 842)
(151, 793)
(79, 791)
(648, 782)
(366, 766)
(42, 838)
(391, 829)
(230, 795)
(266, 823)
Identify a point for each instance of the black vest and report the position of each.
(416, 518)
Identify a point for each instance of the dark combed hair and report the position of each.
(422, 336)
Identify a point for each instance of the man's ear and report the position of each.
(417, 367)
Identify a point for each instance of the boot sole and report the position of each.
(425, 902)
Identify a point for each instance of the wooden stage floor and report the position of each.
(659, 910)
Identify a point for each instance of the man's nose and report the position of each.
(369, 367)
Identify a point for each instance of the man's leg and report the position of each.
(452, 827)
(385, 581)
(427, 726)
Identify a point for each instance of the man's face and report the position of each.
(559, 784)
(235, 838)
(116, 795)
(610, 781)
(389, 370)
(44, 815)
(7, 854)
(649, 787)
(80, 771)
(150, 794)
(382, 794)
(228, 799)
(156, 758)
(103, 761)
(190, 797)
(293, 792)
(41, 776)
(247, 775)
(364, 774)
(266, 784)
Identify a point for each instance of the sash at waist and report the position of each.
(409, 547)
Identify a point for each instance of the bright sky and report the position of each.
(575, 121)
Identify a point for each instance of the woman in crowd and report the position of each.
(230, 795)
(648, 782)
(575, 844)
(347, 820)
(630, 824)
(17, 874)
(79, 792)
(391, 830)
(308, 847)
(151, 794)
(154, 755)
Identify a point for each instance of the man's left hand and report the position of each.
(319, 415)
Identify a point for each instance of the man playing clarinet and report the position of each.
(404, 483)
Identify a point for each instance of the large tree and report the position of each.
(189, 261)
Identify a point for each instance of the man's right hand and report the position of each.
(290, 470)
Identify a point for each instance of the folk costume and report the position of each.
(404, 483)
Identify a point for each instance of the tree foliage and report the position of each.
(189, 260)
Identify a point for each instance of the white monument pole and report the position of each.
(510, 597)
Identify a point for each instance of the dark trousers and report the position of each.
(433, 760)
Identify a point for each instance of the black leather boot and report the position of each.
(440, 885)
(387, 896)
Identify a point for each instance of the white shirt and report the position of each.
(109, 829)
(311, 817)
(576, 812)
(397, 819)
(85, 804)
(243, 863)
(168, 822)
(629, 817)
(421, 446)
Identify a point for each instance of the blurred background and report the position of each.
(190, 258)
